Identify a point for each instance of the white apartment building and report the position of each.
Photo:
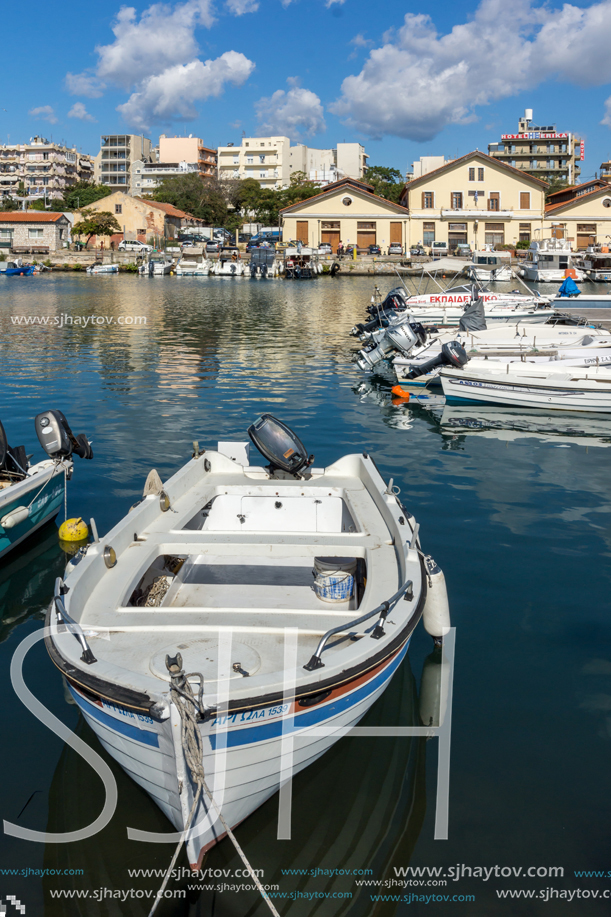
(147, 176)
(43, 168)
(266, 159)
(114, 162)
(425, 164)
(272, 160)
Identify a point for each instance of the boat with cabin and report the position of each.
(229, 263)
(31, 495)
(239, 621)
(156, 266)
(16, 268)
(301, 263)
(193, 262)
(490, 266)
(550, 261)
(596, 262)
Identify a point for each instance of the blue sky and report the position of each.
(405, 83)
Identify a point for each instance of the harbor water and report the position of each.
(515, 509)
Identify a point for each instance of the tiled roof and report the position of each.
(335, 186)
(577, 200)
(29, 216)
(169, 209)
(600, 182)
(463, 159)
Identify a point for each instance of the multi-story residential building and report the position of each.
(541, 151)
(272, 160)
(190, 150)
(147, 176)
(605, 170)
(266, 159)
(425, 164)
(476, 200)
(41, 168)
(118, 153)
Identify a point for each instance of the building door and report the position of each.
(457, 233)
(396, 234)
(302, 231)
(494, 234)
(365, 234)
(332, 237)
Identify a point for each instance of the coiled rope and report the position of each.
(188, 707)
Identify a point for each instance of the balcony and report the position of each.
(475, 213)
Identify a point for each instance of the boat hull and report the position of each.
(43, 505)
(242, 751)
(556, 395)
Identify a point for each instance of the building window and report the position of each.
(118, 208)
(246, 144)
(457, 227)
(35, 233)
(262, 174)
(494, 200)
(480, 174)
(494, 234)
(261, 158)
(236, 160)
(524, 200)
(524, 232)
(428, 233)
(456, 200)
(471, 174)
(428, 200)
(333, 224)
(249, 160)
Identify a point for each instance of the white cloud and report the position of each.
(79, 111)
(44, 113)
(84, 84)
(292, 113)
(170, 95)
(330, 3)
(239, 7)
(162, 37)
(359, 41)
(607, 119)
(419, 81)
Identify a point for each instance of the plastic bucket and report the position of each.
(334, 578)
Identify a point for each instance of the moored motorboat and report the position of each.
(100, 268)
(490, 266)
(16, 268)
(31, 495)
(193, 262)
(156, 266)
(211, 573)
(550, 261)
(229, 263)
(553, 387)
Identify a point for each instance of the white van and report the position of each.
(438, 249)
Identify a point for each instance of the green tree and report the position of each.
(201, 197)
(82, 195)
(557, 184)
(96, 223)
(387, 183)
(299, 189)
(9, 204)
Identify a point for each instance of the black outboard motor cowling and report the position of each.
(57, 439)
(452, 354)
(280, 445)
(395, 301)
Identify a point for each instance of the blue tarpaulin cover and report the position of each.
(568, 288)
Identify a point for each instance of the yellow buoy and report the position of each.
(73, 547)
(73, 530)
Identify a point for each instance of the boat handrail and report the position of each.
(64, 618)
(382, 610)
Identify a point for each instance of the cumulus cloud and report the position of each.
(84, 84)
(79, 111)
(291, 113)
(171, 94)
(329, 3)
(44, 113)
(607, 119)
(239, 7)
(419, 81)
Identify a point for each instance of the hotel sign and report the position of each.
(535, 135)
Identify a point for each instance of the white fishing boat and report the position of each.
(287, 593)
(553, 387)
(229, 263)
(100, 268)
(550, 261)
(301, 263)
(156, 266)
(193, 262)
(31, 495)
(597, 263)
(490, 266)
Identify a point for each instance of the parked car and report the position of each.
(325, 248)
(439, 249)
(133, 245)
(395, 249)
(374, 250)
(463, 250)
(213, 245)
(417, 250)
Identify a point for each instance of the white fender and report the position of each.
(436, 614)
(17, 515)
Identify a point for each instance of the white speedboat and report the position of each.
(597, 263)
(229, 263)
(99, 268)
(156, 266)
(31, 495)
(291, 591)
(550, 261)
(193, 262)
(553, 387)
(490, 266)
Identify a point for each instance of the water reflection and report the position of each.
(27, 577)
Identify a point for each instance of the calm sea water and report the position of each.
(516, 510)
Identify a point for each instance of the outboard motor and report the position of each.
(371, 355)
(363, 329)
(406, 336)
(452, 354)
(263, 270)
(280, 446)
(394, 302)
(253, 269)
(13, 460)
(57, 439)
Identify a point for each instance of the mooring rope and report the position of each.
(187, 705)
